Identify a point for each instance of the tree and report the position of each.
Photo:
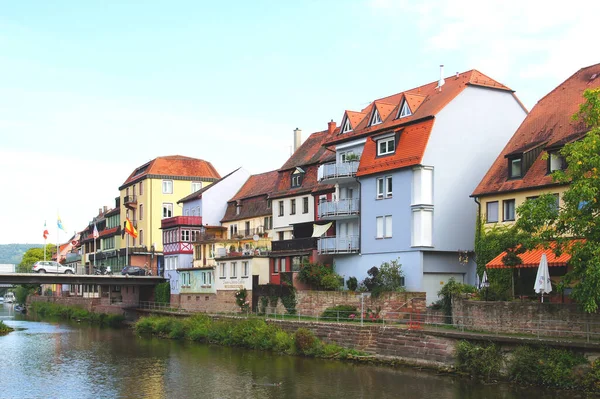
(33, 255)
(579, 216)
(387, 278)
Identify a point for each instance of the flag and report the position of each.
(95, 233)
(45, 231)
(75, 239)
(129, 229)
(60, 225)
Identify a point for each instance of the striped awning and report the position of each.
(531, 259)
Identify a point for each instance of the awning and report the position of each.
(531, 259)
(319, 230)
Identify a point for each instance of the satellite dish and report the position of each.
(255, 237)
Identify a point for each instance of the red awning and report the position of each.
(531, 259)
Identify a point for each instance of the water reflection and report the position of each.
(62, 360)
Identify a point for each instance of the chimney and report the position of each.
(105, 208)
(99, 211)
(441, 81)
(330, 126)
(297, 138)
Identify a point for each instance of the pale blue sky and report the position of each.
(92, 89)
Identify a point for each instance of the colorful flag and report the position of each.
(45, 231)
(95, 233)
(129, 229)
(60, 225)
(75, 239)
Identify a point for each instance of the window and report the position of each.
(556, 204)
(379, 220)
(185, 235)
(514, 165)
(305, 205)
(293, 207)
(296, 180)
(346, 127)
(280, 208)
(280, 235)
(206, 278)
(380, 187)
(196, 185)
(245, 269)
(347, 156)
(282, 264)
(384, 187)
(387, 226)
(141, 211)
(298, 261)
(556, 162)
(167, 210)
(386, 146)
(404, 110)
(222, 274)
(388, 186)
(508, 212)
(276, 265)
(375, 119)
(141, 188)
(238, 208)
(233, 230)
(141, 236)
(167, 186)
(268, 204)
(233, 270)
(491, 212)
(268, 223)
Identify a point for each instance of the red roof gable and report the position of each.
(425, 101)
(284, 182)
(312, 151)
(549, 123)
(174, 165)
(263, 183)
(409, 150)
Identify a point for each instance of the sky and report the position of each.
(92, 89)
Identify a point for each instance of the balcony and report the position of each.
(338, 245)
(130, 201)
(339, 209)
(338, 172)
(295, 244)
(246, 233)
(181, 221)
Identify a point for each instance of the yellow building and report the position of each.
(150, 194)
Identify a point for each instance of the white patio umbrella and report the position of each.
(543, 284)
(477, 282)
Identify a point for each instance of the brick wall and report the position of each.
(221, 302)
(552, 319)
(86, 303)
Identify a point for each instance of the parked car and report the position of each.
(134, 271)
(51, 267)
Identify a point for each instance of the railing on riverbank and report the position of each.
(540, 328)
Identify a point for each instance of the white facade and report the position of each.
(214, 200)
(284, 214)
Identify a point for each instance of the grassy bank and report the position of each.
(4, 329)
(47, 309)
(245, 333)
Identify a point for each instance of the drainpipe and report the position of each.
(478, 228)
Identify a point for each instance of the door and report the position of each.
(433, 283)
(255, 292)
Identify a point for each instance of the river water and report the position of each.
(69, 360)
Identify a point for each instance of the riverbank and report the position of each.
(47, 309)
(4, 329)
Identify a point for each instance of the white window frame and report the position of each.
(387, 226)
(388, 186)
(404, 110)
(375, 118)
(185, 235)
(282, 265)
(305, 205)
(245, 268)
(233, 270)
(222, 270)
(167, 210)
(196, 185)
(281, 209)
(387, 142)
(487, 212)
(380, 187)
(379, 227)
(347, 127)
(167, 186)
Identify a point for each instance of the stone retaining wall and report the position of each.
(88, 304)
(221, 302)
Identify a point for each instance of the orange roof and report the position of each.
(549, 124)
(409, 150)
(384, 109)
(425, 101)
(532, 259)
(263, 183)
(354, 118)
(173, 166)
(312, 151)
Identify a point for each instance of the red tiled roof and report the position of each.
(548, 124)
(312, 151)
(409, 150)
(384, 109)
(284, 182)
(424, 101)
(532, 259)
(174, 165)
(251, 207)
(110, 232)
(355, 118)
(263, 183)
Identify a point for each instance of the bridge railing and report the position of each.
(158, 306)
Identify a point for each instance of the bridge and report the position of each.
(48, 278)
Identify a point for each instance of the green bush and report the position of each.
(339, 312)
(289, 301)
(46, 309)
(480, 360)
(352, 283)
(4, 329)
(304, 341)
(319, 276)
(264, 302)
(592, 378)
(162, 293)
(545, 366)
(388, 277)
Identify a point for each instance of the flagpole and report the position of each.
(94, 248)
(126, 249)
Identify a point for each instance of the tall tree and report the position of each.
(33, 255)
(579, 215)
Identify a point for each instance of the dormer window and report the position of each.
(556, 162)
(386, 145)
(375, 119)
(515, 168)
(297, 176)
(346, 127)
(404, 110)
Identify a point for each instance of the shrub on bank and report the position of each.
(341, 312)
(247, 333)
(4, 329)
(47, 309)
(479, 360)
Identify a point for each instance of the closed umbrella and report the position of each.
(543, 284)
(477, 282)
(485, 284)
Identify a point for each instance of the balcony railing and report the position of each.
(338, 245)
(336, 170)
(181, 221)
(130, 200)
(246, 233)
(343, 207)
(295, 244)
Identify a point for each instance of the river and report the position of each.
(49, 360)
